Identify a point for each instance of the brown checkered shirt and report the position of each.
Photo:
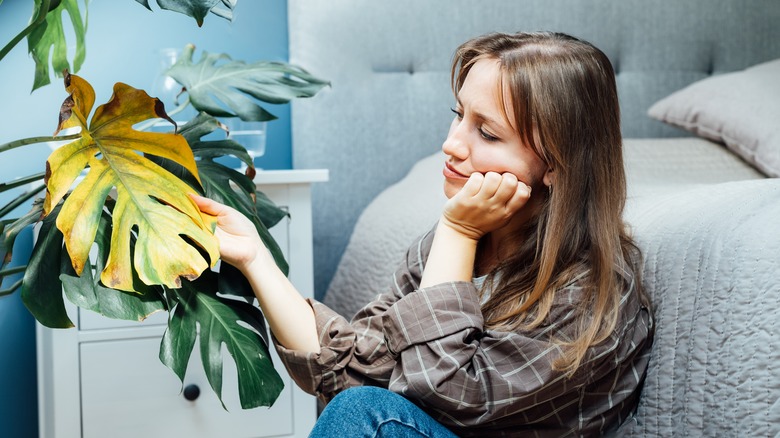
(431, 346)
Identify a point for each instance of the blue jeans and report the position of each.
(369, 411)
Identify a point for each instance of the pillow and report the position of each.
(740, 109)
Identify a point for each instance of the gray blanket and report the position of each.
(712, 265)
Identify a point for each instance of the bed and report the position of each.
(699, 86)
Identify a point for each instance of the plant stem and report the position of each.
(11, 271)
(20, 200)
(11, 289)
(21, 181)
(25, 141)
(42, 11)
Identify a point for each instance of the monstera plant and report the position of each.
(117, 232)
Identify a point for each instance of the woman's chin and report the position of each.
(451, 188)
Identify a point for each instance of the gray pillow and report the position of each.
(740, 109)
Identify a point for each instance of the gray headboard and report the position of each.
(388, 62)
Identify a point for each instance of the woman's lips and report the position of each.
(450, 172)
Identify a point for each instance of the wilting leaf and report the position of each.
(258, 382)
(196, 9)
(151, 203)
(41, 289)
(211, 84)
(48, 39)
(86, 291)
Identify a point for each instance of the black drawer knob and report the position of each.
(191, 392)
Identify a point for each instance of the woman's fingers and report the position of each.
(490, 184)
(473, 185)
(482, 187)
(518, 198)
(506, 187)
(207, 205)
(495, 188)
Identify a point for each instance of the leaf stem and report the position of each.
(38, 19)
(11, 289)
(11, 271)
(20, 200)
(21, 182)
(25, 141)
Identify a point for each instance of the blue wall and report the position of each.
(122, 43)
(18, 397)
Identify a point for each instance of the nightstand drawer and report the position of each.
(127, 392)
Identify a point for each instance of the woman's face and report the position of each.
(482, 138)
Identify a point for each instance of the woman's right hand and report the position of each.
(485, 203)
(239, 243)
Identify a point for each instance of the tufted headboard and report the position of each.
(388, 62)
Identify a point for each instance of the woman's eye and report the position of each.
(457, 113)
(487, 136)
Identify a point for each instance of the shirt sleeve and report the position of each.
(353, 352)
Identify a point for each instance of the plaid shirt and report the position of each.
(431, 346)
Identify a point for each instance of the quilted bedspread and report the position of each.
(712, 270)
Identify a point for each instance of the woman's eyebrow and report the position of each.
(478, 115)
(501, 129)
(495, 124)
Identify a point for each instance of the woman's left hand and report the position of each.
(485, 203)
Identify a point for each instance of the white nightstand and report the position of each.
(104, 378)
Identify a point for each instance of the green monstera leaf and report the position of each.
(152, 205)
(218, 318)
(47, 40)
(41, 290)
(212, 84)
(197, 9)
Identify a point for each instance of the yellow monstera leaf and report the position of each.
(151, 203)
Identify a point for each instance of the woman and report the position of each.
(521, 313)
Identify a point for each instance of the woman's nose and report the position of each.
(456, 145)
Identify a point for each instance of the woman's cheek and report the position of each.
(484, 164)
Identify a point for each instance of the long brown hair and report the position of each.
(566, 107)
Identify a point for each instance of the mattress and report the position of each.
(659, 166)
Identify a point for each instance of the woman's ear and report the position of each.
(549, 177)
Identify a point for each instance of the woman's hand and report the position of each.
(485, 203)
(290, 317)
(239, 243)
